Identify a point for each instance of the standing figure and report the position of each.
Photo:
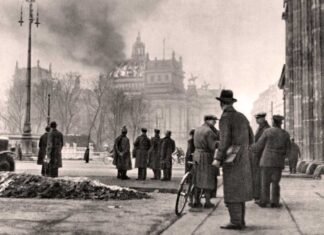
(235, 133)
(19, 152)
(274, 145)
(294, 155)
(54, 150)
(42, 150)
(190, 150)
(154, 155)
(256, 170)
(167, 148)
(205, 141)
(86, 155)
(142, 145)
(121, 151)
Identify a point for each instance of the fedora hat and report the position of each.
(226, 96)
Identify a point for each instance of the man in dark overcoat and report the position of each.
(54, 150)
(294, 155)
(42, 150)
(122, 159)
(167, 149)
(206, 139)
(142, 145)
(256, 170)
(235, 130)
(190, 150)
(154, 155)
(274, 145)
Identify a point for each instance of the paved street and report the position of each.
(302, 211)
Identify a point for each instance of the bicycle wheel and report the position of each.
(183, 193)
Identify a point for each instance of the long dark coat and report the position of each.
(237, 179)
(205, 140)
(154, 153)
(42, 149)
(142, 145)
(122, 158)
(167, 148)
(274, 145)
(189, 154)
(54, 148)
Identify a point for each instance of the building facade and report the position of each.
(269, 101)
(302, 79)
(161, 82)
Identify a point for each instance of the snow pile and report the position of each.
(35, 186)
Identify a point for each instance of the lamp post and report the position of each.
(27, 125)
(48, 109)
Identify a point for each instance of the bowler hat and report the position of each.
(260, 115)
(192, 132)
(157, 131)
(144, 130)
(210, 117)
(226, 96)
(278, 118)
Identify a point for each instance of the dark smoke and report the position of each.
(84, 31)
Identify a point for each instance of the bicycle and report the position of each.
(186, 190)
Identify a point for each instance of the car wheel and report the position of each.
(7, 163)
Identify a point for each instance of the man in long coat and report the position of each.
(205, 140)
(294, 155)
(256, 170)
(54, 150)
(274, 145)
(142, 145)
(235, 130)
(154, 155)
(190, 150)
(122, 159)
(42, 150)
(167, 148)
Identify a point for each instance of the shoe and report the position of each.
(125, 178)
(197, 205)
(232, 226)
(261, 204)
(276, 205)
(209, 205)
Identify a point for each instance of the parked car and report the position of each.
(7, 162)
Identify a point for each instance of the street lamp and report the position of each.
(27, 126)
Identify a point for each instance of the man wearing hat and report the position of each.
(294, 155)
(142, 145)
(206, 139)
(167, 148)
(154, 155)
(54, 150)
(42, 150)
(122, 159)
(274, 146)
(190, 150)
(235, 134)
(256, 170)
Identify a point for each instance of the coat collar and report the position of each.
(229, 108)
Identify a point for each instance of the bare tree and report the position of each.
(137, 110)
(14, 116)
(66, 97)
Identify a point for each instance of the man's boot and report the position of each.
(158, 174)
(118, 174)
(144, 173)
(139, 174)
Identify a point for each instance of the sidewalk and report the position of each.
(302, 213)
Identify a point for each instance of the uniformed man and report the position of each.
(274, 145)
(154, 155)
(294, 155)
(42, 150)
(235, 134)
(122, 159)
(256, 170)
(54, 150)
(167, 148)
(142, 145)
(205, 141)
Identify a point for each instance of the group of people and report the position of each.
(154, 153)
(50, 151)
(252, 164)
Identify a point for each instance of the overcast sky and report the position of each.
(230, 43)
